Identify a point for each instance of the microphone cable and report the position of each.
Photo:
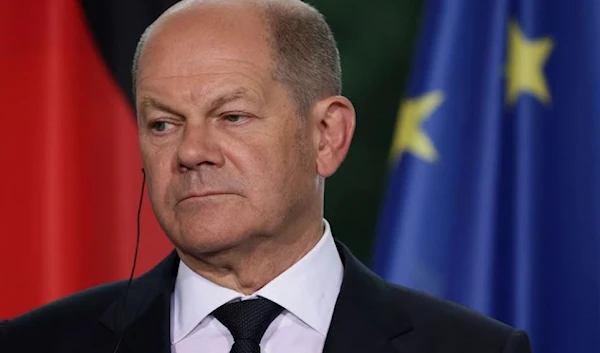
(135, 256)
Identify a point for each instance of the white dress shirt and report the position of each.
(307, 291)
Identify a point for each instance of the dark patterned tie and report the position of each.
(247, 320)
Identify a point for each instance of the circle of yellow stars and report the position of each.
(524, 72)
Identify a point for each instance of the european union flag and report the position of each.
(494, 195)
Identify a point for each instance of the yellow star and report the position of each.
(524, 69)
(409, 136)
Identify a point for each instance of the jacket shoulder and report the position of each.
(2, 338)
(429, 307)
(444, 322)
(77, 310)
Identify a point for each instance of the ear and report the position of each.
(335, 120)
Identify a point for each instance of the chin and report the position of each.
(211, 235)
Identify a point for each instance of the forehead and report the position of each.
(205, 42)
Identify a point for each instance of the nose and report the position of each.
(199, 147)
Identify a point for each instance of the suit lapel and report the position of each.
(150, 333)
(144, 320)
(365, 318)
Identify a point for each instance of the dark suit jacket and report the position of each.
(370, 316)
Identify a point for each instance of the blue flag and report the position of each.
(494, 192)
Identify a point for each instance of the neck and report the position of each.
(248, 268)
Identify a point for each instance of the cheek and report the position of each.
(276, 171)
(157, 168)
(256, 163)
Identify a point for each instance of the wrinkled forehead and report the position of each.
(193, 41)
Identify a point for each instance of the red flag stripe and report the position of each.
(70, 162)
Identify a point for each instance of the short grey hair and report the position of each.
(305, 58)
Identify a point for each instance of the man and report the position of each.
(240, 122)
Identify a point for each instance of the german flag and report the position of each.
(70, 174)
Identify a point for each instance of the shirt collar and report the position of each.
(308, 290)
(194, 298)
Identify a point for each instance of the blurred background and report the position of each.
(473, 174)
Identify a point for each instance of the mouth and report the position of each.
(204, 195)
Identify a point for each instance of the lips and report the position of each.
(204, 194)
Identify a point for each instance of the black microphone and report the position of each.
(135, 255)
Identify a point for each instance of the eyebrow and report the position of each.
(236, 94)
(148, 102)
(239, 93)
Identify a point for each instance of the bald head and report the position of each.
(302, 49)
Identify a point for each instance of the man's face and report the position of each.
(226, 157)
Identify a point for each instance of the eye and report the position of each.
(161, 126)
(233, 118)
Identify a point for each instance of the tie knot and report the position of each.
(248, 319)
